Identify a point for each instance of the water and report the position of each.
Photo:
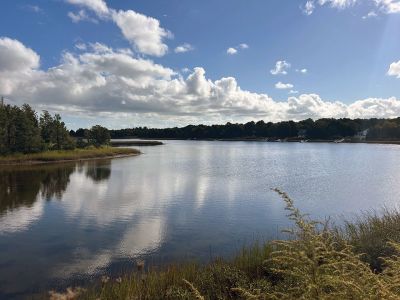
(71, 223)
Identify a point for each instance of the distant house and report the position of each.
(361, 135)
(302, 133)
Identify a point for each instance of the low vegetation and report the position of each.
(67, 155)
(357, 261)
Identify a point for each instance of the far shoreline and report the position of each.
(265, 140)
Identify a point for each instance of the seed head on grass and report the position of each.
(70, 294)
(194, 291)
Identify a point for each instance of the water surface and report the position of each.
(71, 223)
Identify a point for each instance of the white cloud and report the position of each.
(235, 50)
(144, 33)
(283, 86)
(302, 71)
(81, 46)
(338, 3)
(308, 8)
(388, 6)
(293, 92)
(394, 69)
(15, 56)
(384, 6)
(371, 14)
(81, 16)
(17, 63)
(98, 6)
(231, 51)
(184, 48)
(281, 67)
(114, 85)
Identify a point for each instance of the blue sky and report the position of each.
(348, 51)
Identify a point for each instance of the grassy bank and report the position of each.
(356, 261)
(135, 143)
(66, 155)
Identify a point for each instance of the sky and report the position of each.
(126, 63)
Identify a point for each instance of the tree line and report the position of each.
(322, 129)
(22, 130)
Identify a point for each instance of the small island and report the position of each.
(26, 138)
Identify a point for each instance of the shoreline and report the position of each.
(265, 140)
(127, 143)
(29, 162)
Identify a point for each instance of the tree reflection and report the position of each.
(98, 170)
(20, 186)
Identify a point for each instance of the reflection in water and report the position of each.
(184, 200)
(20, 186)
(24, 188)
(98, 172)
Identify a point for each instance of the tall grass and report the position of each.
(317, 262)
(370, 234)
(66, 155)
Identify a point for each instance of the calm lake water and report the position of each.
(71, 223)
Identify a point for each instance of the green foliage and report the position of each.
(370, 235)
(323, 129)
(21, 131)
(98, 136)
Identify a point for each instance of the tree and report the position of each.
(46, 127)
(29, 131)
(98, 136)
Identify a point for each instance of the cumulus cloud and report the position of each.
(231, 51)
(17, 63)
(281, 67)
(283, 86)
(113, 83)
(394, 69)
(15, 56)
(98, 6)
(184, 48)
(388, 6)
(144, 33)
(235, 50)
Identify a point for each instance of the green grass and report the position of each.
(213, 281)
(360, 260)
(370, 233)
(67, 155)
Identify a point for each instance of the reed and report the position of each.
(67, 155)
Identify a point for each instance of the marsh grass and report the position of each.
(370, 234)
(318, 261)
(67, 155)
